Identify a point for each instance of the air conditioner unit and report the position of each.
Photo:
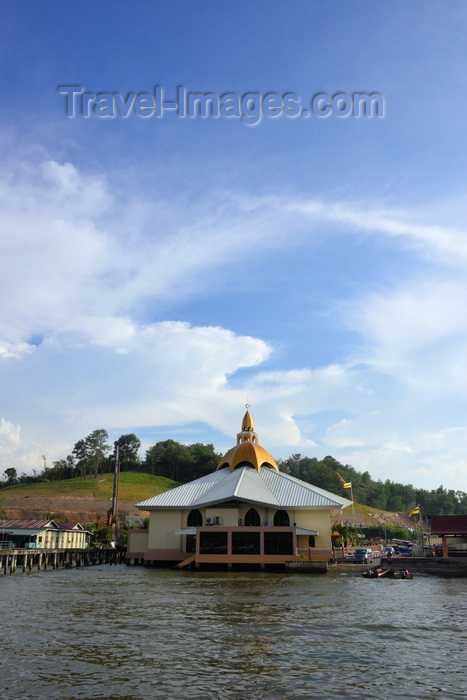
(209, 521)
(267, 523)
(240, 521)
(218, 520)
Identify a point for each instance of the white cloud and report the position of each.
(14, 350)
(343, 434)
(395, 460)
(416, 333)
(52, 258)
(9, 434)
(427, 461)
(432, 239)
(415, 316)
(80, 265)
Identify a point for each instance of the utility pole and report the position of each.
(115, 492)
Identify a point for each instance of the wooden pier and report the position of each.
(42, 559)
(438, 566)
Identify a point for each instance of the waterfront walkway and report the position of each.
(41, 559)
(441, 566)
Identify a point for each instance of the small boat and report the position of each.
(404, 574)
(376, 573)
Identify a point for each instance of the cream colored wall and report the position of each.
(162, 525)
(229, 515)
(78, 539)
(66, 539)
(138, 541)
(458, 542)
(315, 520)
(264, 513)
(72, 539)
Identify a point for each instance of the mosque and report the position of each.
(246, 514)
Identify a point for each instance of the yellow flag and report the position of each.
(348, 485)
(415, 511)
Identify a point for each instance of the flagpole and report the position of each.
(420, 538)
(420, 526)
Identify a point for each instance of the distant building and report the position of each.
(246, 513)
(453, 532)
(134, 520)
(42, 534)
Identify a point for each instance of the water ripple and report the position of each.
(108, 633)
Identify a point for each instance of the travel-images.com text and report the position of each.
(250, 107)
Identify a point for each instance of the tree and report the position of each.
(91, 452)
(320, 473)
(181, 462)
(205, 460)
(154, 457)
(170, 459)
(11, 475)
(128, 448)
(348, 533)
(61, 469)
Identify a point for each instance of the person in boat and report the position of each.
(404, 573)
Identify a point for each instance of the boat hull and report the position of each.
(376, 573)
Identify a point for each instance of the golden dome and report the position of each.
(247, 451)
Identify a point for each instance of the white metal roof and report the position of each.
(266, 487)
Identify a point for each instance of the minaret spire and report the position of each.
(247, 451)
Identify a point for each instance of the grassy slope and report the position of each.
(86, 498)
(368, 517)
(80, 495)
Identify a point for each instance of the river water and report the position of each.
(108, 632)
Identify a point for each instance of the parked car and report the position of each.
(389, 552)
(405, 552)
(363, 556)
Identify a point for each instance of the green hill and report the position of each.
(83, 499)
(87, 500)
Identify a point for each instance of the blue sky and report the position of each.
(156, 272)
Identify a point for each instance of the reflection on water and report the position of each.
(131, 633)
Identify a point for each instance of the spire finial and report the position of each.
(247, 451)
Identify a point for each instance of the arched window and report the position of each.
(252, 518)
(281, 518)
(311, 541)
(195, 519)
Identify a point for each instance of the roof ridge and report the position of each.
(239, 480)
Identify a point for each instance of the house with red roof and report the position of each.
(42, 534)
(453, 532)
